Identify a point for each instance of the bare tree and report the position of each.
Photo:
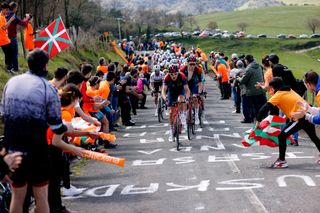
(212, 25)
(243, 26)
(179, 19)
(313, 24)
(191, 21)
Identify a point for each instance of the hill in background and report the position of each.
(200, 6)
(270, 21)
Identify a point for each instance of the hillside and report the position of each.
(301, 2)
(271, 20)
(200, 6)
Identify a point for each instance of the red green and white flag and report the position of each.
(54, 38)
(266, 134)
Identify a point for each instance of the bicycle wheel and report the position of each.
(189, 123)
(177, 128)
(160, 109)
(201, 108)
(163, 104)
(193, 125)
(200, 118)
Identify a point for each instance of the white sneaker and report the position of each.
(166, 112)
(73, 191)
(183, 118)
(196, 120)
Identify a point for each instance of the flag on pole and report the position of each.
(54, 38)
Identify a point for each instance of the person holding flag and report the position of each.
(286, 100)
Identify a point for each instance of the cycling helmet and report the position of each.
(192, 58)
(156, 68)
(173, 68)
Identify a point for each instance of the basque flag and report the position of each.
(54, 38)
(267, 133)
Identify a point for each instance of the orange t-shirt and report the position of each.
(4, 39)
(223, 71)
(104, 90)
(88, 107)
(66, 115)
(268, 76)
(204, 57)
(29, 37)
(103, 68)
(286, 101)
(145, 68)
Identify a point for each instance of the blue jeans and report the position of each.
(246, 109)
(14, 44)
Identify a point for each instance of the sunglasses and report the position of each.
(192, 64)
(173, 74)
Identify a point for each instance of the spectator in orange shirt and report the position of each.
(5, 42)
(223, 79)
(29, 34)
(103, 65)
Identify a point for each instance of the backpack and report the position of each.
(287, 76)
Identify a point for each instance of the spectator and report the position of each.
(29, 108)
(5, 42)
(257, 96)
(140, 90)
(29, 34)
(60, 77)
(9, 162)
(12, 33)
(124, 101)
(102, 65)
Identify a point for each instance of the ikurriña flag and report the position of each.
(267, 133)
(54, 38)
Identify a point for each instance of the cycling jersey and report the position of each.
(175, 88)
(193, 83)
(155, 78)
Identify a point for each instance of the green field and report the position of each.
(299, 63)
(270, 20)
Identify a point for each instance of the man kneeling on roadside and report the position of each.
(286, 100)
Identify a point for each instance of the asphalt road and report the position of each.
(212, 173)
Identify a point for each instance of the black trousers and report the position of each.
(8, 55)
(293, 127)
(56, 173)
(125, 107)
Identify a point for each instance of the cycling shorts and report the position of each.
(172, 98)
(157, 86)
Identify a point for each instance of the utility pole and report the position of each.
(119, 19)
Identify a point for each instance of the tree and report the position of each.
(191, 21)
(313, 24)
(243, 26)
(212, 25)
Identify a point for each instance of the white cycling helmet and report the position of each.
(156, 68)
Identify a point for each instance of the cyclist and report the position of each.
(194, 78)
(175, 89)
(156, 80)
